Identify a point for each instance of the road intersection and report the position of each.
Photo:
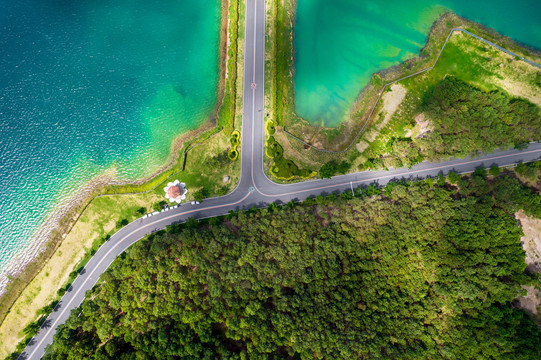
(254, 187)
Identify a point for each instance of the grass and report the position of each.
(278, 93)
(102, 217)
(282, 168)
(86, 228)
(465, 57)
(98, 221)
(226, 114)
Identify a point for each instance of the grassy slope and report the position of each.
(278, 94)
(100, 216)
(419, 213)
(464, 57)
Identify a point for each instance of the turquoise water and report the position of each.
(339, 44)
(90, 85)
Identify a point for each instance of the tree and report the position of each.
(32, 328)
(192, 222)
(159, 206)
(372, 277)
(453, 177)
(494, 170)
(200, 194)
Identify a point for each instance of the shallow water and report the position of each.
(339, 44)
(85, 85)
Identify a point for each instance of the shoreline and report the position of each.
(59, 221)
(356, 115)
(68, 211)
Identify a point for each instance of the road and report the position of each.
(254, 188)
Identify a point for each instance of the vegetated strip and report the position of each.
(19, 282)
(389, 274)
(405, 77)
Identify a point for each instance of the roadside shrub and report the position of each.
(441, 180)
(333, 167)
(346, 195)
(270, 127)
(283, 168)
(158, 206)
(222, 190)
(200, 194)
(274, 150)
(494, 170)
(453, 177)
(192, 223)
(233, 154)
(121, 223)
(520, 168)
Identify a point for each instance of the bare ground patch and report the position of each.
(531, 243)
(520, 89)
(391, 101)
(422, 126)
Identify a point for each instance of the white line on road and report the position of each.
(73, 295)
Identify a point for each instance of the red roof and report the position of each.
(173, 191)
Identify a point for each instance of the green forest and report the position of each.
(414, 270)
(465, 121)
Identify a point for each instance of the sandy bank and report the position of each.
(64, 216)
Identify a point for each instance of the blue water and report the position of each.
(339, 44)
(87, 86)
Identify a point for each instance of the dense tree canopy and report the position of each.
(410, 271)
(463, 120)
(467, 119)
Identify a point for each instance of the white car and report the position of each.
(195, 202)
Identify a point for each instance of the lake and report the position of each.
(88, 86)
(339, 44)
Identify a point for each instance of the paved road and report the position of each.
(254, 188)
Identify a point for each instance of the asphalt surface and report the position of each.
(254, 188)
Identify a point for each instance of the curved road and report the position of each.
(254, 188)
